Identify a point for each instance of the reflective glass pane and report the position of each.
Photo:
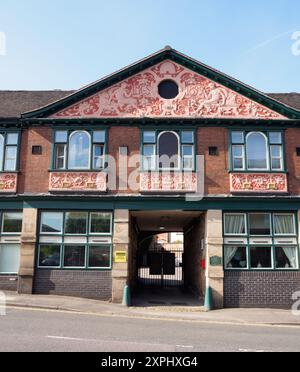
(49, 255)
(235, 224)
(12, 138)
(284, 224)
(74, 256)
(79, 151)
(237, 137)
(187, 150)
(52, 222)
(61, 137)
(259, 224)
(12, 222)
(257, 151)
(168, 150)
(261, 257)
(149, 137)
(238, 151)
(99, 136)
(275, 138)
(10, 158)
(235, 257)
(286, 257)
(76, 223)
(1, 151)
(187, 137)
(99, 256)
(9, 258)
(101, 223)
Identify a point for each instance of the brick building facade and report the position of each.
(84, 185)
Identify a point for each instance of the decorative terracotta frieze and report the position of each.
(168, 182)
(138, 97)
(8, 183)
(258, 182)
(78, 181)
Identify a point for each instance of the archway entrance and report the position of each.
(167, 258)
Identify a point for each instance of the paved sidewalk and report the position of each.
(229, 316)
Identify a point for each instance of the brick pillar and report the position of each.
(120, 273)
(214, 256)
(28, 245)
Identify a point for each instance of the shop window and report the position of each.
(9, 258)
(99, 256)
(261, 257)
(235, 224)
(9, 144)
(260, 241)
(284, 224)
(260, 224)
(235, 257)
(68, 240)
(257, 151)
(11, 224)
(168, 150)
(49, 255)
(79, 150)
(286, 257)
(74, 256)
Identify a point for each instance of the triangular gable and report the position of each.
(133, 93)
(199, 97)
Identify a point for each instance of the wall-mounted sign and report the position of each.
(216, 261)
(120, 257)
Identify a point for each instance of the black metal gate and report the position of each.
(161, 266)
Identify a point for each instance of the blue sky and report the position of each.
(65, 44)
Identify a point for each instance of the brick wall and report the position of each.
(292, 136)
(8, 283)
(216, 167)
(124, 136)
(34, 169)
(260, 289)
(86, 284)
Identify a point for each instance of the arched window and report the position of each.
(257, 151)
(80, 150)
(168, 150)
(1, 151)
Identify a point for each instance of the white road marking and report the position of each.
(62, 338)
(252, 351)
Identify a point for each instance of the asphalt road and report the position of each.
(41, 330)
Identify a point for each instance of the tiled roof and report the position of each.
(14, 103)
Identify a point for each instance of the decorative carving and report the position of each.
(76, 181)
(265, 183)
(138, 97)
(167, 182)
(8, 183)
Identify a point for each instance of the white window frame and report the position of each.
(271, 225)
(64, 223)
(294, 223)
(158, 151)
(69, 150)
(280, 157)
(239, 157)
(51, 233)
(297, 257)
(245, 221)
(100, 234)
(60, 256)
(73, 267)
(192, 157)
(100, 267)
(267, 152)
(247, 257)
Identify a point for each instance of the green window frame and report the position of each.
(96, 158)
(273, 162)
(278, 239)
(10, 246)
(83, 246)
(150, 149)
(9, 151)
